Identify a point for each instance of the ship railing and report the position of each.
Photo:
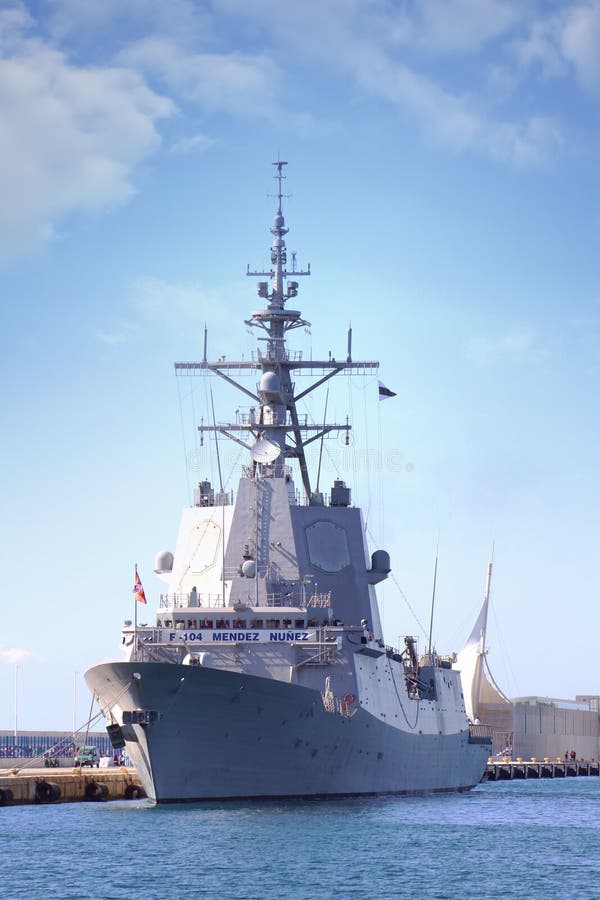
(150, 648)
(436, 661)
(317, 655)
(270, 473)
(289, 598)
(191, 601)
(323, 651)
(145, 641)
(258, 356)
(329, 702)
(446, 662)
(302, 499)
(341, 706)
(318, 601)
(242, 418)
(480, 734)
(347, 705)
(247, 472)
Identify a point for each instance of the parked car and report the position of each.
(87, 756)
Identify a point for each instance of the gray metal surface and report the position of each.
(312, 703)
(225, 735)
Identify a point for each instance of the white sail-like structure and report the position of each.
(470, 663)
(484, 701)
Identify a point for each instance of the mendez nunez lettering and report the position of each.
(238, 636)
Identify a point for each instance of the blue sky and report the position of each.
(445, 189)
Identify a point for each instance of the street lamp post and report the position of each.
(16, 701)
(74, 704)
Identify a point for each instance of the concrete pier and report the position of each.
(508, 769)
(68, 785)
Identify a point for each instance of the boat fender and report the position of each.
(134, 792)
(6, 796)
(46, 792)
(96, 790)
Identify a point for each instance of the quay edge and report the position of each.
(511, 770)
(41, 786)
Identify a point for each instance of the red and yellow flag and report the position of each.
(138, 590)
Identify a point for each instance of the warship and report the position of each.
(265, 673)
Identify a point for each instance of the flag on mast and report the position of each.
(385, 392)
(138, 590)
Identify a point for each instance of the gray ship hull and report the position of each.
(220, 735)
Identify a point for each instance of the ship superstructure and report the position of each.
(266, 673)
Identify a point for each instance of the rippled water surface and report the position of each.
(512, 839)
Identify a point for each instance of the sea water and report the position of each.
(509, 839)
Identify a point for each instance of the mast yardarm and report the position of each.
(275, 431)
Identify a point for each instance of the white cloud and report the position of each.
(580, 43)
(164, 302)
(516, 345)
(461, 25)
(374, 46)
(121, 333)
(193, 143)
(539, 47)
(157, 303)
(238, 83)
(14, 656)
(71, 137)
(459, 122)
(74, 135)
(566, 40)
(13, 20)
(100, 22)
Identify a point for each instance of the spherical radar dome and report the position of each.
(163, 562)
(249, 568)
(380, 561)
(270, 386)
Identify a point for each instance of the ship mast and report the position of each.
(276, 429)
(276, 320)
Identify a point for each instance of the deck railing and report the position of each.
(480, 734)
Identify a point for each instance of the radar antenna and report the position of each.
(277, 433)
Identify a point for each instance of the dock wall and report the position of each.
(68, 786)
(511, 770)
(541, 731)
